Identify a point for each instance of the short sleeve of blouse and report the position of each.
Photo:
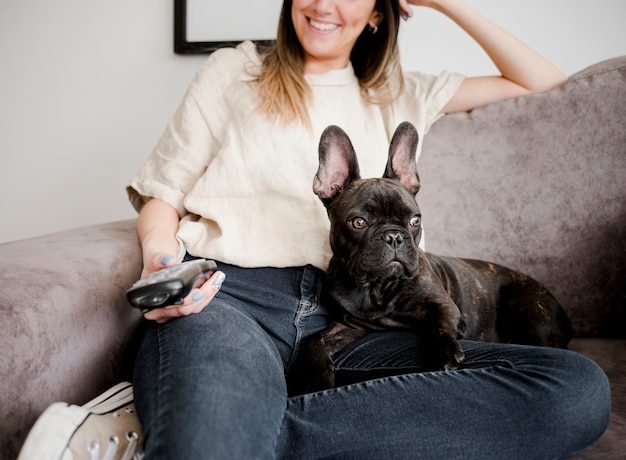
(426, 95)
(193, 134)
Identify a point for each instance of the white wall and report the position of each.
(87, 88)
(571, 33)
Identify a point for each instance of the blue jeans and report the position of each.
(212, 385)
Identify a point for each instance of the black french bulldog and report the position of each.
(381, 279)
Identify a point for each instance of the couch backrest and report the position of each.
(538, 183)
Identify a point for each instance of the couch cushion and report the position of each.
(538, 183)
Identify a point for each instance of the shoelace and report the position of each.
(112, 447)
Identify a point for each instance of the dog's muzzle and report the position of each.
(394, 239)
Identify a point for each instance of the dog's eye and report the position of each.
(415, 221)
(359, 223)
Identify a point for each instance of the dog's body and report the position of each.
(381, 279)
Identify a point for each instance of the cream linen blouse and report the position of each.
(242, 183)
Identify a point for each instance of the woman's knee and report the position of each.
(564, 398)
(583, 405)
(220, 349)
(223, 336)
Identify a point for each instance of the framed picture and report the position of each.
(202, 26)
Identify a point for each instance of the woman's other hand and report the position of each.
(406, 6)
(156, 228)
(199, 297)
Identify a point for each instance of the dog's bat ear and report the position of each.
(338, 166)
(402, 164)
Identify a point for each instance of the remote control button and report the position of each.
(154, 300)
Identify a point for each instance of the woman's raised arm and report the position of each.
(522, 69)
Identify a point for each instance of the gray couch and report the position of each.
(537, 183)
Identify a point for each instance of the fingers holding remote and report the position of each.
(200, 296)
(157, 262)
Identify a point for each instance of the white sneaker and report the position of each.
(106, 428)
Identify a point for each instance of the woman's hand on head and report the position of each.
(406, 9)
(202, 293)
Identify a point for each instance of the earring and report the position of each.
(372, 30)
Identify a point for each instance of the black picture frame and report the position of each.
(184, 47)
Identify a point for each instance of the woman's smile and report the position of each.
(322, 26)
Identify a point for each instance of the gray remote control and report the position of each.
(168, 286)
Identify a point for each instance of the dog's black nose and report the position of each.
(394, 239)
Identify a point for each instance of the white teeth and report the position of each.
(322, 25)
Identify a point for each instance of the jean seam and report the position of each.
(402, 376)
(488, 363)
(161, 392)
(374, 368)
(302, 312)
(474, 365)
(306, 307)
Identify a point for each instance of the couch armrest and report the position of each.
(66, 325)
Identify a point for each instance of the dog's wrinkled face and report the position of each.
(375, 223)
(375, 229)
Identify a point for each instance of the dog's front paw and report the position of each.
(323, 379)
(450, 354)
(320, 372)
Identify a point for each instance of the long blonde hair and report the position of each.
(283, 90)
